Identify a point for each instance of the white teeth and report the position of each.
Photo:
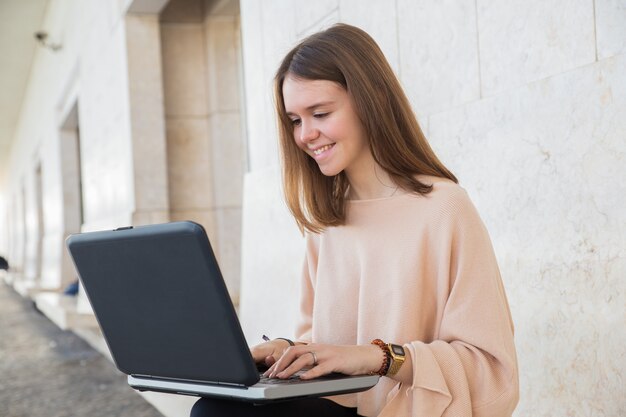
(322, 149)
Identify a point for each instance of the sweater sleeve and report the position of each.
(304, 328)
(470, 368)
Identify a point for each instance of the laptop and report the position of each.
(168, 320)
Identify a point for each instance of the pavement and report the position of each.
(45, 371)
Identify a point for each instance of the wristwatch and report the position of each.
(397, 358)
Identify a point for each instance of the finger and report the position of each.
(269, 361)
(315, 372)
(285, 360)
(270, 370)
(304, 360)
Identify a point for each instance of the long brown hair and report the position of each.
(348, 56)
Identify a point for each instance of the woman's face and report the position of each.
(325, 125)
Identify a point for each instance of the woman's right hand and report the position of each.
(269, 352)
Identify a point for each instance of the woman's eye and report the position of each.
(295, 122)
(320, 115)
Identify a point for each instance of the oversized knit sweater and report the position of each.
(418, 271)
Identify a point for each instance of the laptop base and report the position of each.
(261, 392)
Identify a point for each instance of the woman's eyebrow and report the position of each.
(313, 106)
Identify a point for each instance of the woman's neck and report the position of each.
(371, 184)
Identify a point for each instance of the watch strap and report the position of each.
(397, 358)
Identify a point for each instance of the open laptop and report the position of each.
(168, 320)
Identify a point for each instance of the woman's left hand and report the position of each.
(324, 359)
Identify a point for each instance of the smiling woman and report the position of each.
(326, 127)
(345, 65)
(395, 251)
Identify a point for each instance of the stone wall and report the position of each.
(526, 102)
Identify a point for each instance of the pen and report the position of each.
(267, 339)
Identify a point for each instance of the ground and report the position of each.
(45, 371)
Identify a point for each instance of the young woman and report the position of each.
(400, 277)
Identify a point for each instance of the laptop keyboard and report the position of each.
(293, 379)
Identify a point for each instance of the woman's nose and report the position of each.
(308, 132)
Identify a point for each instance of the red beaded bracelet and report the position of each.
(385, 366)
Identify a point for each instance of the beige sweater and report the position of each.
(418, 271)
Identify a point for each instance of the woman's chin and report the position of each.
(329, 171)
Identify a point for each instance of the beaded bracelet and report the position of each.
(384, 368)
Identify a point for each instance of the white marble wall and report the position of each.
(610, 16)
(110, 70)
(4, 226)
(104, 122)
(544, 164)
(14, 235)
(526, 102)
(51, 274)
(91, 73)
(523, 41)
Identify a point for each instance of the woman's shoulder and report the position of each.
(444, 192)
(447, 202)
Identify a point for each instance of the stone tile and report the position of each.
(610, 27)
(229, 8)
(142, 7)
(308, 14)
(228, 159)
(223, 63)
(146, 112)
(544, 163)
(105, 129)
(272, 253)
(150, 217)
(324, 23)
(279, 36)
(184, 70)
(52, 248)
(69, 182)
(183, 11)
(259, 111)
(379, 19)
(32, 229)
(526, 40)
(228, 221)
(189, 164)
(279, 32)
(16, 216)
(438, 53)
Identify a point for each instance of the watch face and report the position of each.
(398, 350)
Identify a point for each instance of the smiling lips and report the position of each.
(323, 149)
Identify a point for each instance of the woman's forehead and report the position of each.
(299, 93)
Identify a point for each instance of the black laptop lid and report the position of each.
(162, 304)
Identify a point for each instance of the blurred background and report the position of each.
(129, 112)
